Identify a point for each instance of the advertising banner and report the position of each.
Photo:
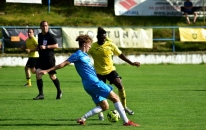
(192, 34)
(122, 37)
(151, 7)
(25, 1)
(97, 3)
(15, 38)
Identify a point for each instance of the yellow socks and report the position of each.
(122, 96)
(29, 82)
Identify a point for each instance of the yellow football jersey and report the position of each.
(32, 43)
(102, 55)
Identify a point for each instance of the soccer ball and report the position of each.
(113, 116)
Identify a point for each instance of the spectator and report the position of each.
(188, 9)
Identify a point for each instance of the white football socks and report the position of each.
(118, 106)
(120, 109)
(92, 112)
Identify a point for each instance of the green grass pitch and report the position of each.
(163, 97)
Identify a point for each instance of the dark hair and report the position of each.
(43, 22)
(100, 30)
(31, 29)
(83, 39)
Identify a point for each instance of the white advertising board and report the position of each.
(151, 7)
(25, 1)
(98, 3)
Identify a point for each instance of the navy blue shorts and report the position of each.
(189, 12)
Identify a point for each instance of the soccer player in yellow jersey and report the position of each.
(102, 52)
(31, 49)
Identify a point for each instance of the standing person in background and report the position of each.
(46, 45)
(31, 49)
(188, 9)
(97, 89)
(102, 52)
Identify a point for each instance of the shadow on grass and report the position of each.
(6, 85)
(45, 124)
(191, 90)
(38, 124)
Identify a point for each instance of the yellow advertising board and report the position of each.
(192, 34)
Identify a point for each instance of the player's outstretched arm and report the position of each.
(62, 65)
(124, 58)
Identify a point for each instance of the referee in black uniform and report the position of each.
(46, 45)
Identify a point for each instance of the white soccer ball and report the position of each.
(113, 116)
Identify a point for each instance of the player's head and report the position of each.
(84, 41)
(44, 26)
(101, 35)
(30, 32)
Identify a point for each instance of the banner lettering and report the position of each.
(122, 37)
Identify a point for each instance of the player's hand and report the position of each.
(42, 72)
(42, 47)
(27, 50)
(136, 64)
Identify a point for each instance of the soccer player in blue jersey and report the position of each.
(98, 90)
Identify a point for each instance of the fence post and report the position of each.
(49, 6)
(173, 39)
(2, 45)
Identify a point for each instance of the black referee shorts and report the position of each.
(46, 63)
